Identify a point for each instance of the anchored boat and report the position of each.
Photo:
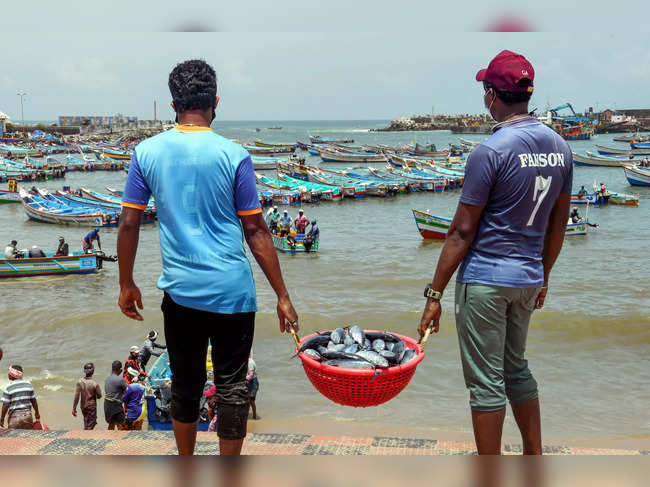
(282, 244)
(77, 263)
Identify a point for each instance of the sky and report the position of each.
(399, 69)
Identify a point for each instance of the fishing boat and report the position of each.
(270, 145)
(332, 155)
(282, 244)
(623, 199)
(433, 227)
(269, 151)
(116, 154)
(608, 151)
(636, 175)
(10, 195)
(591, 160)
(77, 263)
(589, 199)
(576, 229)
(158, 396)
(630, 138)
(317, 139)
(639, 145)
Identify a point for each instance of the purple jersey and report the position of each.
(517, 175)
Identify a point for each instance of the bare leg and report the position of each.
(185, 434)
(230, 447)
(530, 425)
(254, 409)
(488, 426)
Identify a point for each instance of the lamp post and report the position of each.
(22, 110)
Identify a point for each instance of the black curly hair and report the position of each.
(193, 85)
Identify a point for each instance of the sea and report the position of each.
(588, 347)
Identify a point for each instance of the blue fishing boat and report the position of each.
(158, 396)
(283, 245)
(636, 175)
(76, 263)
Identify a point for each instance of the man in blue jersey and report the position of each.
(506, 235)
(205, 193)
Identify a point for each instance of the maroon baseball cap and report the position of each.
(506, 70)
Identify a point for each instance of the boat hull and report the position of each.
(580, 160)
(48, 266)
(636, 176)
(431, 227)
(281, 244)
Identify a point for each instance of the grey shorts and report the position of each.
(492, 324)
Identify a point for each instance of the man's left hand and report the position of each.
(74, 413)
(430, 316)
(130, 297)
(541, 297)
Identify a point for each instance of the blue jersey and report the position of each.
(201, 183)
(517, 175)
(93, 235)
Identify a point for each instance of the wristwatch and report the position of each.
(430, 293)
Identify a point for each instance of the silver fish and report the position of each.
(390, 346)
(349, 364)
(399, 348)
(339, 347)
(378, 345)
(367, 344)
(337, 336)
(331, 345)
(409, 355)
(321, 349)
(388, 355)
(357, 334)
(348, 340)
(310, 352)
(387, 337)
(352, 348)
(373, 357)
(313, 342)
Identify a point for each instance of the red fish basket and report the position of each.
(360, 387)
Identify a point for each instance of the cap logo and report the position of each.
(524, 72)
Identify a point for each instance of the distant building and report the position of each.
(97, 121)
(3, 123)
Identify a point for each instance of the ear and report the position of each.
(216, 101)
(173, 106)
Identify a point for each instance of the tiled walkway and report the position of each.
(102, 442)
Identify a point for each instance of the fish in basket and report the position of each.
(353, 367)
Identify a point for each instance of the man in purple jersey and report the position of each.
(506, 235)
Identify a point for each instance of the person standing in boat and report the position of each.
(148, 349)
(301, 221)
(273, 218)
(285, 224)
(63, 249)
(87, 391)
(506, 235)
(211, 205)
(310, 238)
(87, 243)
(575, 217)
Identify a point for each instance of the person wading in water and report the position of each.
(208, 185)
(506, 235)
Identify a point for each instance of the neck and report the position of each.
(511, 112)
(194, 117)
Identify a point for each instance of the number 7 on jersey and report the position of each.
(542, 185)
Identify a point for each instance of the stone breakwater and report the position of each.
(459, 124)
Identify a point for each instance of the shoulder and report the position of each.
(235, 152)
(153, 142)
